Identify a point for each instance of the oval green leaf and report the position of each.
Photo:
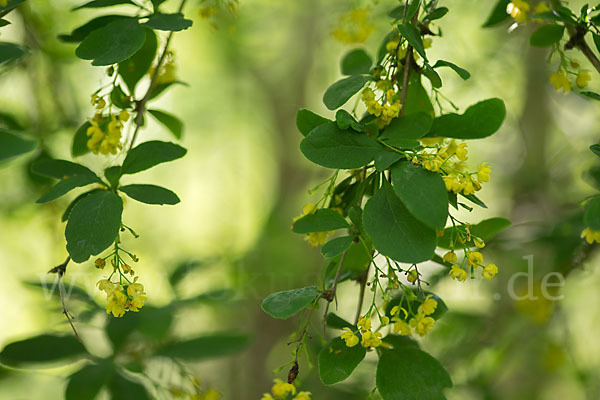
(286, 304)
(150, 194)
(336, 246)
(307, 120)
(169, 121)
(423, 193)
(112, 43)
(340, 92)
(329, 146)
(547, 35)
(93, 224)
(86, 383)
(206, 347)
(337, 361)
(356, 62)
(41, 349)
(12, 145)
(480, 120)
(149, 154)
(408, 373)
(396, 233)
(322, 220)
(168, 22)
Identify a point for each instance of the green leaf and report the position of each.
(480, 120)
(486, 230)
(149, 154)
(357, 260)
(10, 52)
(474, 199)
(161, 87)
(386, 158)
(340, 92)
(498, 14)
(412, 126)
(322, 220)
(112, 175)
(86, 383)
(93, 225)
(102, 3)
(433, 76)
(417, 98)
(12, 145)
(168, 22)
(398, 341)
(396, 233)
(591, 218)
(119, 330)
(336, 246)
(408, 373)
(307, 120)
(547, 35)
(171, 122)
(61, 169)
(438, 13)
(206, 347)
(79, 147)
(595, 148)
(41, 349)
(155, 323)
(4, 22)
(422, 192)
(591, 95)
(150, 194)
(334, 321)
(286, 304)
(135, 67)
(122, 387)
(112, 43)
(356, 62)
(345, 120)
(337, 361)
(69, 208)
(413, 37)
(331, 147)
(11, 4)
(463, 73)
(65, 186)
(119, 98)
(80, 33)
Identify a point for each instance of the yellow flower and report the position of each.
(450, 257)
(430, 141)
(281, 389)
(590, 235)
(137, 296)
(560, 81)
(475, 258)
(427, 42)
(317, 238)
(116, 303)
(266, 396)
(100, 263)
(421, 324)
(353, 27)
(429, 305)
(401, 326)
(489, 271)
(478, 242)
(371, 339)
(364, 323)
(461, 152)
(302, 396)
(483, 172)
(384, 320)
(518, 9)
(123, 115)
(349, 337)
(583, 77)
(412, 276)
(452, 183)
(457, 273)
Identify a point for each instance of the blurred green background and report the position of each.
(244, 179)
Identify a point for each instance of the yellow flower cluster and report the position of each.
(386, 108)
(368, 337)
(421, 323)
(590, 235)
(104, 133)
(282, 390)
(474, 259)
(121, 298)
(519, 10)
(353, 27)
(448, 158)
(314, 238)
(560, 80)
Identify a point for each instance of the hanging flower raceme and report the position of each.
(285, 391)
(353, 27)
(105, 131)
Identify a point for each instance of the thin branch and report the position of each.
(577, 39)
(361, 294)
(140, 107)
(331, 294)
(60, 270)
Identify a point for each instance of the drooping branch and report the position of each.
(60, 270)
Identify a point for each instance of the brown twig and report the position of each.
(140, 106)
(60, 270)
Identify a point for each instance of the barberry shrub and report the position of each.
(399, 173)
